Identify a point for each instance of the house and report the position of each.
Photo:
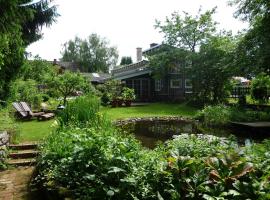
(174, 86)
(95, 78)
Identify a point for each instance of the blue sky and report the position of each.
(127, 24)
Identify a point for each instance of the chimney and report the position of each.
(139, 54)
(153, 45)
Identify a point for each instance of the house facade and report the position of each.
(174, 86)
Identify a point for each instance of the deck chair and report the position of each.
(39, 115)
(20, 110)
(26, 107)
(24, 110)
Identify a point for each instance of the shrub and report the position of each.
(221, 115)
(214, 115)
(260, 87)
(25, 91)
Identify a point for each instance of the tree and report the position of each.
(194, 43)
(254, 47)
(188, 32)
(212, 69)
(20, 24)
(126, 60)
(67, 84)
(37, 69)
(93, 54)
(260, 88)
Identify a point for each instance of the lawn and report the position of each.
(34, 130)
(37, 130)
(154, 109)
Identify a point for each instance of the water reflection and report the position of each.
(152, 132)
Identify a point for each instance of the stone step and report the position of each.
(22, 162)
(23, 146)
(24, 154)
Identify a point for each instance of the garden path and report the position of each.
(14, 183)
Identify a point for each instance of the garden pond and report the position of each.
(151, 131)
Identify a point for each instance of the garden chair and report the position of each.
(20, 110)
(25, 111)
(27, 108)
(39, 115)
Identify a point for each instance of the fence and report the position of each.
(239, 91)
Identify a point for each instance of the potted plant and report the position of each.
(128, 95)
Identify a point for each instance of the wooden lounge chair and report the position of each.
(20, 110)
(26, 107)
(24, 111)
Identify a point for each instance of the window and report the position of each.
(158, 85)
(188, 83)
(176, 83)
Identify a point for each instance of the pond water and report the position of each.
(155, 131)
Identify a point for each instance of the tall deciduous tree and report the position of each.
(254, 48)
(20, 24)
(212, 69)
(93, 54)
(188, 32)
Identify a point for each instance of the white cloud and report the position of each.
(127, 24)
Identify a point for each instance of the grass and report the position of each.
(37, 130)
(34, 130)
(154, 109)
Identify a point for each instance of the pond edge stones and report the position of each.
(122, 122)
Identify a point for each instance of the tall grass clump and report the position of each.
(80, 111)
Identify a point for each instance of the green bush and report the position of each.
(214, 115)
(221, 115)
(260, 87)
(27, 91)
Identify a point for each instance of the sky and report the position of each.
(127, 24)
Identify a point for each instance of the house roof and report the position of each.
(97, 77)
(131, 70)
(158, 46)
(72, 66)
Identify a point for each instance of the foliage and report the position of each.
(82, 109)
(37, 70)
(168, 59)
(212, 69)
(206, 56)
(260, 87)
(221, 115)
(214, 115)
(26, 91)
(20, 25)
(128, 94)
(7, 122)
(253, 48)
(94, 53)
(67, 84)
(96, 162)
(111, 90)
(188, 32)
(126, 60)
